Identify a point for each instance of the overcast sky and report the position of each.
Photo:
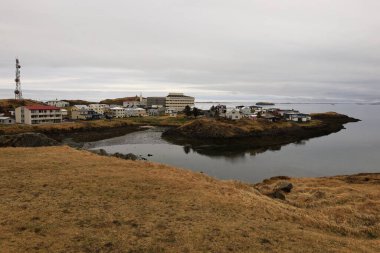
(212, 49)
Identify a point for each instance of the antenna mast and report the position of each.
(18, 92)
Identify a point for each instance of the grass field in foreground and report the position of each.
(58, 199)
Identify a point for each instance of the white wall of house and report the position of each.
(233, 114)
(118, 112)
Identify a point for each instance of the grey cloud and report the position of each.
(291, 49)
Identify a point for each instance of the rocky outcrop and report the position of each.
(128, 156)
(27, 140)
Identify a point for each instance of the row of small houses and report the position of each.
(254, 112)
(43, 114)
(98, 111)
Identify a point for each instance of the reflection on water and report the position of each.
(352, 150)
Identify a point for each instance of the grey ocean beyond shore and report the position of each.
(352, 150)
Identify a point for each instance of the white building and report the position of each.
(98, 108)
(38, 114)
(297, 117)
(6, 120)
(58, 103)
(135, 112)
(178, 101)
(245, 111)
(233, 114)
(118, 112)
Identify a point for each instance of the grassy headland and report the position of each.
(59, 199)
(224, 128)
(213, 136)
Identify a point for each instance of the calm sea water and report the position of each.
(352, 150)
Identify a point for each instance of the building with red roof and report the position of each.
(38, 114)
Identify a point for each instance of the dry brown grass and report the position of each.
(59, 199)
(93, 124)
(217, 128)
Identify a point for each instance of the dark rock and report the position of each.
(99, 152)
(150, 155)
(284, 186)
(130, 156)
(27, 140)
(278, 195)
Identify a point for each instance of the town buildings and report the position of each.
(38, 114)
(135, 101)
(58, 103)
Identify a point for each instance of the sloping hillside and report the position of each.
(58, 199)
(11, 104)
(118, 101)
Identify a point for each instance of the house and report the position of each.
(297, 117)
(98, 108)
(220, 110)
(283, 112)
(6, 120)
(38, 114)
(255, 108)
(172, 112)
(58, 103)
(245, 110)
(156, 110)
(233, 114)
(178, 101)
(117, 112)
(270, 117)
(81, 114)
(135, 112)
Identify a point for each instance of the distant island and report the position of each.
(265, 103)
